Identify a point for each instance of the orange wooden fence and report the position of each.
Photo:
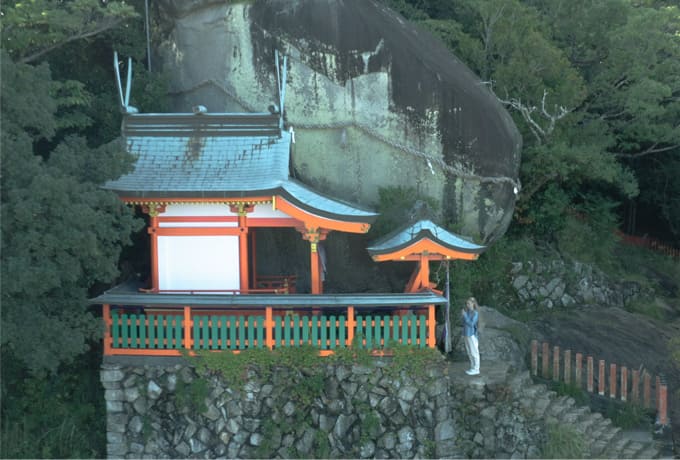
(619, 383)
(650, 243)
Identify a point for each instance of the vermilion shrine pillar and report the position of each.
(153, 210)
(242, 209)
(314, 236)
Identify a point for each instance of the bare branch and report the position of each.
(108, 23)
(648, 151)
(527, 112)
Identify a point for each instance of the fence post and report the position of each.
(187, 328)
(556, 363)
(578, 379)
(545, 357)
(635, 391)
(624, 383)
(662, 404)
(351, 324)
(600, 375)
(567, 366)
(647, 389)
(534, 357)
(657, 386)
(590, 374)
(612, 380)
(106, 313)
(431, 323)
(269, 327)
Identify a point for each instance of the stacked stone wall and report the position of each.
(364, 411)
(560, 283)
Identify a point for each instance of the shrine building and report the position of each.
(209, 183)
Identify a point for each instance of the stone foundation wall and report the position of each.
(338, 411)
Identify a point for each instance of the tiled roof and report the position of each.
(217, 156)
(423, 229)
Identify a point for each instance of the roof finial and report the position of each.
(124, 101)
(281, 83)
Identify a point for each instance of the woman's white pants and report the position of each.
(472, 348)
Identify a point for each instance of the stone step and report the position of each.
(540, 405)
(609, 433)
(649, 451)
(597, 447)
(573, 416)
(617, 444)
(587, 423)
(632, 449)
(534, 391)
(559, 405)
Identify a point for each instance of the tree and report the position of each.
(61, 234)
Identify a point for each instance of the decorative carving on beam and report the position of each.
(313, 235)
(241, 208)
(153, 209)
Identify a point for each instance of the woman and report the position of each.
(470, 322)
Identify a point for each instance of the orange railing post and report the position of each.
(106, 313)
(567, 366)
(545, 360)
(612, 380)
(635, 390)
(431, 323)
(351, 324)
(600, 375)
(269, 327)
(187, 328)
(590, 370)
(578, 370)
(556, 363)
(624, 383)
(647, 390)
(662, 404)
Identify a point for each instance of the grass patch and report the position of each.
(628, 416)
(563, 441)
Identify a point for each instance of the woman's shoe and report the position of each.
(472, 372)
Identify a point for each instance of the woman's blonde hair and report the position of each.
(472, 301)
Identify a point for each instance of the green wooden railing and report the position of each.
(166, 334)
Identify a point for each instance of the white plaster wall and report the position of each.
(197, 224)
(265, 210)
(198, 262)
(197, 209)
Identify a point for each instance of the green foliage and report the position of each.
(192, 395)
(628, 416)
(62, 416)
(588, 234)
(33, 28)
(487, 279)
(571, 390)
(563, 441)
(61, 233)
(400, 205)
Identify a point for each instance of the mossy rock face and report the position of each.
(374, 101)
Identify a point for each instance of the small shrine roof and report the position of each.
(408, 236)
(217, 156)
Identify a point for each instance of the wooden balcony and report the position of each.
(157, 324)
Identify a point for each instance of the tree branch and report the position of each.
(110, 23)
(649, 151)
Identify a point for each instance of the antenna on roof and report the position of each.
(124, 101)
(281, 84)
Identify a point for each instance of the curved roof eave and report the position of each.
(410, 235)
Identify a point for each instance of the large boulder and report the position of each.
(374, 100)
